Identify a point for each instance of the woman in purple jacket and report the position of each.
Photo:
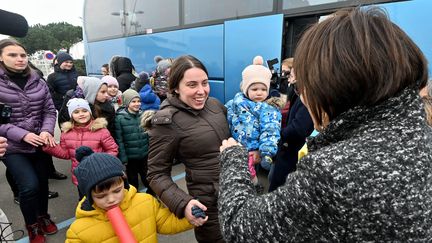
(30, 125)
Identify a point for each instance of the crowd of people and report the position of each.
(356, 77)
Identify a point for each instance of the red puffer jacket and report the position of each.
(95, 135)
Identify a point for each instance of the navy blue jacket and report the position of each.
(293, 137)
(60, 82)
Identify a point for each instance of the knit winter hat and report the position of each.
(163, 65)
(143, 79)
(110, 80)
(76, 103)
(255, 73)
(62, 57)
(143, 76)
(90, 87)
(93, 169)
(128, 96)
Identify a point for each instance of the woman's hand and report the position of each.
(33, 139)
(3, 145)
(48, 139)
(226, 143)
(188, 213)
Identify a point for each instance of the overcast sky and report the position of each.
(46, 11)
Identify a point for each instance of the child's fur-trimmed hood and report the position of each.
(95, 125)
(277, 102)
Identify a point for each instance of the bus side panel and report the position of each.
(205, 43)
(245, 39)
(100, 52)
(414, 18)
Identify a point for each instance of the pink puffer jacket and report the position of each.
(95, 135)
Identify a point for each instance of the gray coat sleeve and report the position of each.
(295, 212)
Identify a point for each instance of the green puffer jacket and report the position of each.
(130, 136)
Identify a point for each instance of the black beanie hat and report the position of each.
(93, 169)
(62, 57)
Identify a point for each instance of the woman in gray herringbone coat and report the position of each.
(368, 174)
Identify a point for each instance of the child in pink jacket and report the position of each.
(82, 130)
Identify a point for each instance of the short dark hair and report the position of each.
(179, 67)
(105, 66)
(355, 57)
(107, 184)
(11, 42)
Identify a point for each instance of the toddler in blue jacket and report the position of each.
(253, 122)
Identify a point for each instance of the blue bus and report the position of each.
(224, 34)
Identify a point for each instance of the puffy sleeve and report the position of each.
(108, 143)
(270, 126)
(162, 149)
(60, 150)
(49, 112)
(167, 222)
(72, 237)
(119, 139)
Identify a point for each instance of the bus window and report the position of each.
(153, 14)
(290, 4)
(196, 11)
(100, 21)
(110, 19)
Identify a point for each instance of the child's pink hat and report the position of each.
(110, 80)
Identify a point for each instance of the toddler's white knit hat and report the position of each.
(255, 73)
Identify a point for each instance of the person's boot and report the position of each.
(52, 194)
(57, 176)
(47, 225)
(16, 200)
(35, 233)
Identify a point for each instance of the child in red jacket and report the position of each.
(82, 130)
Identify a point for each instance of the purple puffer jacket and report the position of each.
(32, 111)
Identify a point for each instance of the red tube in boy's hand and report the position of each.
(120, 226)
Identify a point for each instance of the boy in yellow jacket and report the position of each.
(101, 177)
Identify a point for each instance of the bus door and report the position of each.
(293, 30)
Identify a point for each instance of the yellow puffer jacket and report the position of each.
(145, 215)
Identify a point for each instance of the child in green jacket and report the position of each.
(132, 140)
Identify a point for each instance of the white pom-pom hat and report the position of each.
(255, 73)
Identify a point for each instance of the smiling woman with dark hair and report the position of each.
(368, 174)
(188, 128)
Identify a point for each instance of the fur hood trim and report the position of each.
(95, 125)
(277, 102)
(146, 118)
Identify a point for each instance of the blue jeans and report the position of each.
(30, 173)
